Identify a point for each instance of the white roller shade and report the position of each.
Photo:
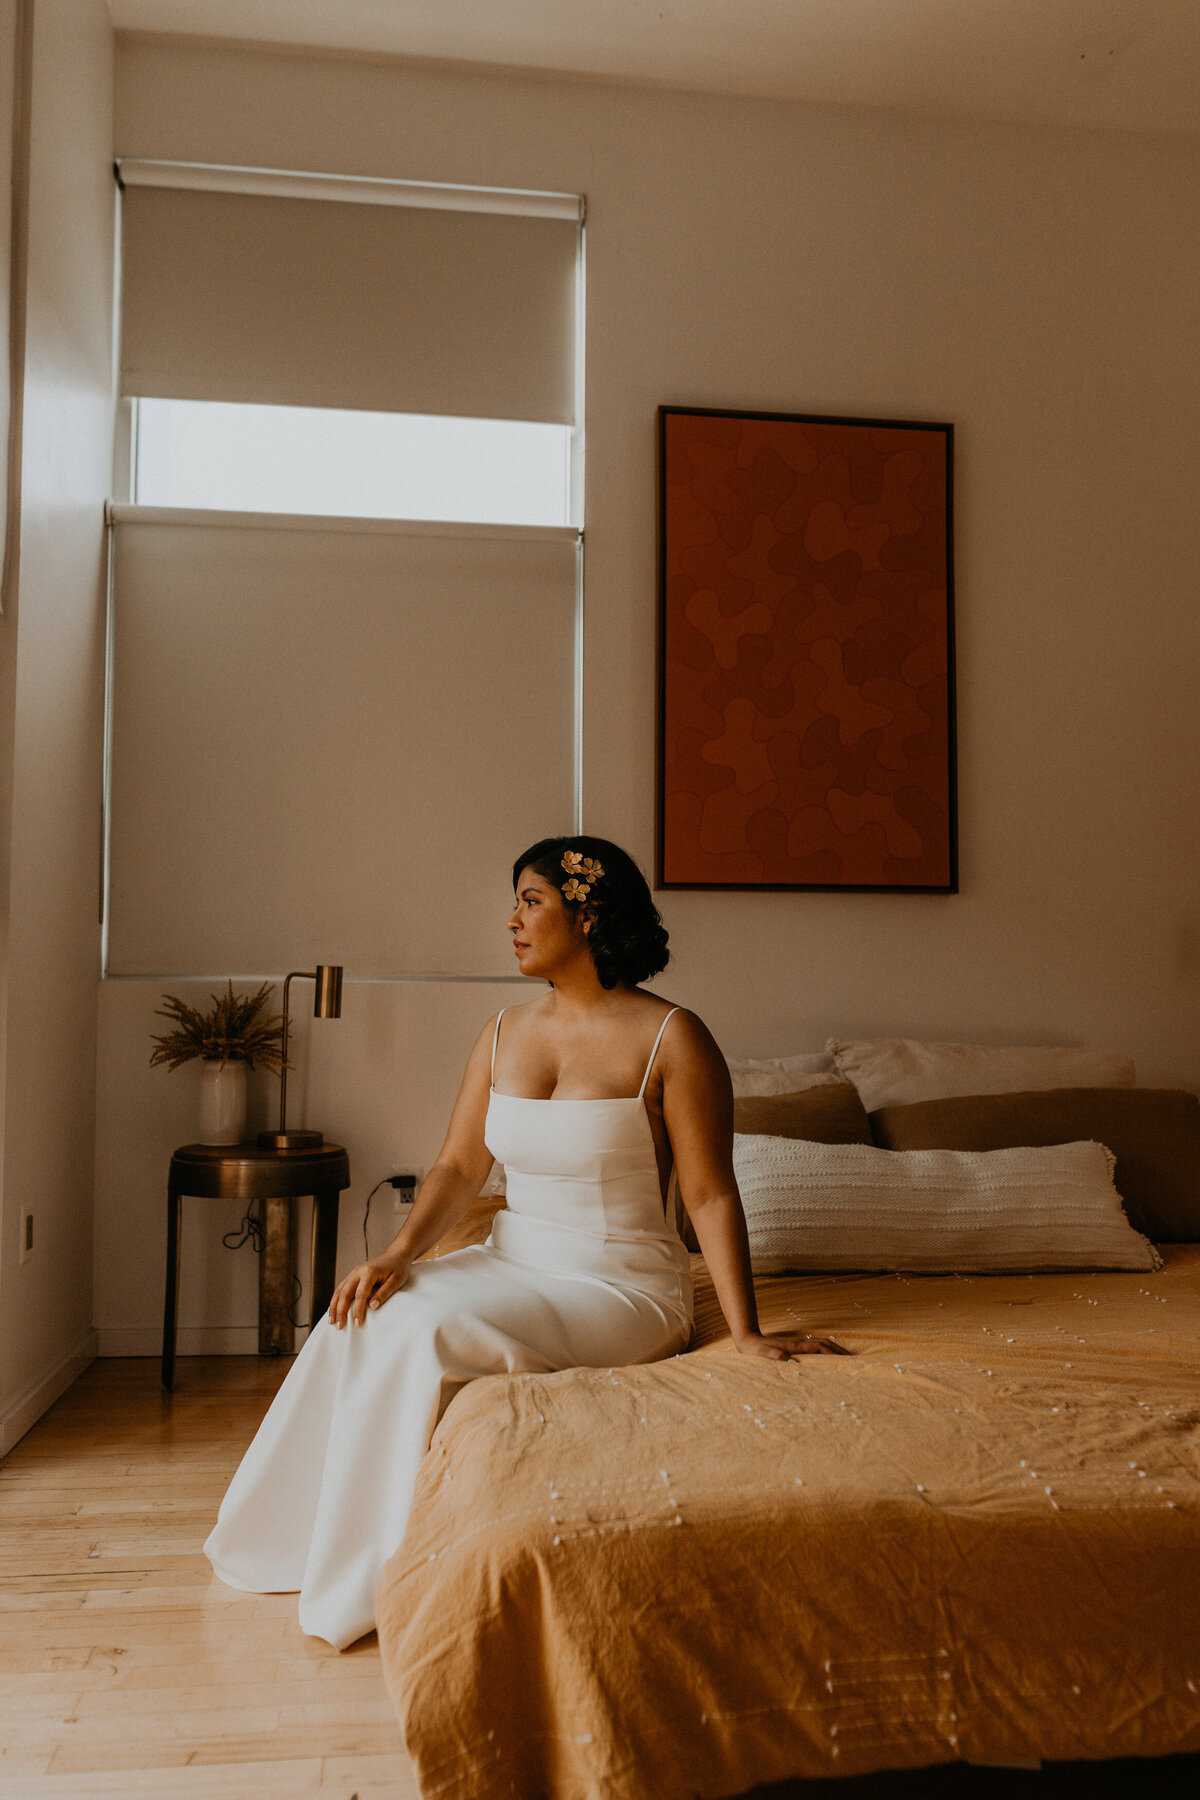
(329, 744)
(275, 299)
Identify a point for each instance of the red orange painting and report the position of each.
(806, 700)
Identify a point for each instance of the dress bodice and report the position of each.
(582, 1177)
(589, 1164)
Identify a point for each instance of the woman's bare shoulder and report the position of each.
(689, 1037)
(693, 1072)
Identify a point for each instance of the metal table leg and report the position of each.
(276, 1288)
(171, 1299)
(323, 1271)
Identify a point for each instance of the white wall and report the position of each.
(9, 74)
(8, 62)
(1038, 287)
(52, 717)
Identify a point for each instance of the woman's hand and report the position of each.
(369, 1284)
(781, 1346)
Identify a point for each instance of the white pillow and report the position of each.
(896, 1071)
(778, 1081)
(850, 1206)
(782, 1074)
(808, 1062)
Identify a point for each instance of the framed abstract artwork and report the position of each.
(806, 653)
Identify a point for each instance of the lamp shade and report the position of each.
(327, 998)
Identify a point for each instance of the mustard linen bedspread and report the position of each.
(979, 1538)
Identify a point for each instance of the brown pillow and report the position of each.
(833, 1114)
(1154, 1133)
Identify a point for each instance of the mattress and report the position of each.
(978, 1538)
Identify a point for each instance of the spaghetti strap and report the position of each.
(496, 1040)
(654, 1052)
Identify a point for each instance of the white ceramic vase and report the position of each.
(222, 1102)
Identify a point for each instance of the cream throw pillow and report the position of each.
(807, 1062)
(849, 1206)
(897, 1071)
(761, 1075)
(758, 1082)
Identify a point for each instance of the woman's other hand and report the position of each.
(368, 1285)
(781, 1346)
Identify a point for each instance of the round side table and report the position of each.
(244, 1172)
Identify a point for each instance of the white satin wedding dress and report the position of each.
(581, 1270)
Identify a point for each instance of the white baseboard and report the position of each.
(191, 1340)
(39, 1395)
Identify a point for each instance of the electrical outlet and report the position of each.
(404, 1192)
(26, 1234)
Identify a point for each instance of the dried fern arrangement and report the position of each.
(236, 1029)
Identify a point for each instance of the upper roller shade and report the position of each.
(301, 302)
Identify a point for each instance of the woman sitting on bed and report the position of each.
(586, 1094)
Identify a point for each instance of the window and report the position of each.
(322, 460)
(345, 638)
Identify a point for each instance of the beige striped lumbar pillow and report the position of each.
(850, 1206)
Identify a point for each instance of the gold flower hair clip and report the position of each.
(584, 872)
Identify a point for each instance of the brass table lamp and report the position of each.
(327, 1004)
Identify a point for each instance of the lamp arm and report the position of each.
(296, 975)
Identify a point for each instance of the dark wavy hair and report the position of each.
(628, 940)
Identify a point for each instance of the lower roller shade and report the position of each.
(329, 745)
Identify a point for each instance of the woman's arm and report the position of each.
(447, 1191)
(698, 1113)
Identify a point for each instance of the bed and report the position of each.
(978, 1539)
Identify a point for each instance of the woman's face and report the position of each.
(546, 934)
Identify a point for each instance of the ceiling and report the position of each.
(1125, 64)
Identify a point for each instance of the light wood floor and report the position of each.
(126, 1668)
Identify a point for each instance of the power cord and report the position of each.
(399, 1182)
(296, 1324)
(250, 1231)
